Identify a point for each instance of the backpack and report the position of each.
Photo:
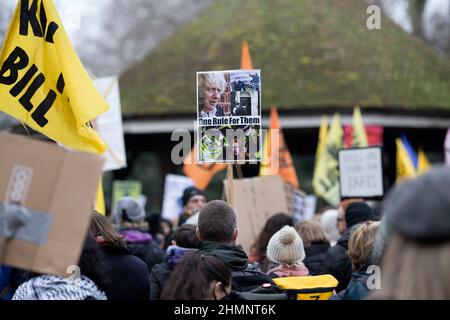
(308, 287)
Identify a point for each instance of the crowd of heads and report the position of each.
(126, 256)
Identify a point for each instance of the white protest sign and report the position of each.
(109, 124)
(173, 191)
(361, 172)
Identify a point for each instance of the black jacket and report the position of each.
(161, 272)
(245, 276)
(128, 275)
(340, 265)
(142, 245)
(315, 258)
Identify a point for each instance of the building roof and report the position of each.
(313, 55)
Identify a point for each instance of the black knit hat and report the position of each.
(419, 209)
(358, 212)
(190, 192)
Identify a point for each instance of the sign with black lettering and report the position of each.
(43, 83)
(229, 116)
(361, 173)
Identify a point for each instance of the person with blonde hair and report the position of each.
(211, 86)
(360, 246)
(316, 246)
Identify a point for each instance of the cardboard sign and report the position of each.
(229, 116)
(173, 191)
(256, 200)
(109, 125)
(57, 187)
(361, 173)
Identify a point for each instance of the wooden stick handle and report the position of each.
(230, 184)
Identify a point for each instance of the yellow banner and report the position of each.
(359, 138)
(326, 173)
(422, 162)
(405, 166)
(42, 81)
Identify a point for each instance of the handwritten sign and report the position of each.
(361, 172)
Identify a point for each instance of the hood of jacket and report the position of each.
(174, 254)
(234, 257)
(135, 236)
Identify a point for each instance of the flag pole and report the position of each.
(230, 184)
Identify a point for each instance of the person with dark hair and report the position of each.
(130, 215)
(89, 284)
(129, 276)
(273, 225)
(316, 246)
(198, 277)
(193, 200)
(184, 240)
(217, 230)
(338, 260)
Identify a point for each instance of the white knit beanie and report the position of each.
(286, 246)
(132, 208)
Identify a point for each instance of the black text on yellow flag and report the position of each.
(42, 81)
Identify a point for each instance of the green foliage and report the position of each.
(312, 54)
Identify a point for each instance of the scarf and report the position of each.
(51, 287)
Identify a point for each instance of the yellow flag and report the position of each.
(422, 162)
(100, 201)
(326, 173)
(42, 81)
(323, 131)
(405, 166)
(359, 138)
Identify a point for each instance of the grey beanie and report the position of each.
(419, 209)
(286, 246)
(132, 208)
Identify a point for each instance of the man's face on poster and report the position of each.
(211, 97)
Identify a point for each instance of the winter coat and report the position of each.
(245, 277)
(141, 244)
(357, 288)
(315, 258)
(161, 272)
(128, 275)
(339, 263)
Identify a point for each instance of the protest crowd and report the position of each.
(407, 240)
(59, 242)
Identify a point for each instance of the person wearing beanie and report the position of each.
(356, 212)
(193, 200)
(286, 248)
(128, 210)
(417, 214)
(130, 215)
